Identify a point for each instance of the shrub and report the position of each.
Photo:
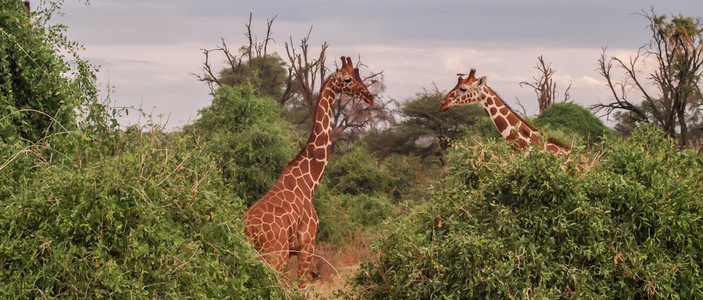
(506, 225)
(352, 197)
(485, 128)
(354, 171)
(343, 215)
(574, 121)
(249, 140)
(41, 90)
(138, 215)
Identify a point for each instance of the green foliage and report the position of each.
(89, 212)
(250, 141)
(506, 225)
(573, 120)
(41, 91)
(409, 178)
(136, 215)
(485, 128)
(267, 74)
(354, 171)
(343, 215)
(353, 196)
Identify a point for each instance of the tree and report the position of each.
(423, 131)
(677, 48)
(267, 74)
(351, 117)
(254, 65)
(544, 86)
(307, 72)
(296, 86)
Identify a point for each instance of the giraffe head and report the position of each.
(465, 92)
(347, 80)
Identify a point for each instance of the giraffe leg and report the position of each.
(304, 259)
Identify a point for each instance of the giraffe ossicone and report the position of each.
(284, 222)
(511, 126)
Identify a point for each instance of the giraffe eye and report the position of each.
(463, 89)
(347, 80)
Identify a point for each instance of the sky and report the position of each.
(147, 51)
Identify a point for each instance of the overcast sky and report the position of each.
(147, 50)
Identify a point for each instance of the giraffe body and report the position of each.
(284, 222)
(511, 126)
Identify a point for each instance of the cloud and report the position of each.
(148, 49)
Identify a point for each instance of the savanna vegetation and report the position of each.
(419, 205)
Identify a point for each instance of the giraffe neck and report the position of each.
(314, 156)
(509, 124)
(513, 127)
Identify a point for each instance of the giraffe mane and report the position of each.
(519, 117)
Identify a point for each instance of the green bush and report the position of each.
(137, 215)
(506, 225)
(353, 196)
(353, 170)
(87, 211)
(343, 215)
(41, 90)
(574, 121)
(250, 141)
(484, 127)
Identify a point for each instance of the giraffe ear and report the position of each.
(481, 81)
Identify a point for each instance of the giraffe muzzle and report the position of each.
(443, 107)
(368, 97)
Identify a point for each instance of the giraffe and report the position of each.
(510, 125)
(284, 222)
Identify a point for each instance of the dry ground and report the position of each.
(336, 264)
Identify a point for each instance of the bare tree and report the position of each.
(307, 72)
(350, 116)
(677, 48)
(544, 86)
(250, 61)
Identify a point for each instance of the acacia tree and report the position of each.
(677, 48)
(544, 86)
(306, 71)
(423, 132)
